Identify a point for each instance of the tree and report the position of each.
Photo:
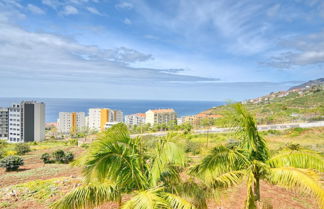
(117, 164)
(249, 160)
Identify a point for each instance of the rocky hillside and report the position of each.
(301, 103)
(311, 83)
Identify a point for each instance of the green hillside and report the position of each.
(303, 104)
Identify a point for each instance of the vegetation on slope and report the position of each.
(294, 107)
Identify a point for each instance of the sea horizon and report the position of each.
(127, 106)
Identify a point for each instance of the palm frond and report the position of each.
(196, 192)
(146, 199)
(226, 180)
(165, 155)
(246, 128)
(177, 202)
(298, 159)
(250, 198)
(220, 160)
(300, 179)
(116, 162)
(88, 196)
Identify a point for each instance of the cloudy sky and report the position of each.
(161, 49)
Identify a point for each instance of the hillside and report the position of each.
(319, 81)
(301, 103)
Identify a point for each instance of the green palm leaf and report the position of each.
(165, 155)
(220, 160)
(88, 196)
(146, 199)
(298, 159)
(297, 178)
(177, 202)
(226, 180)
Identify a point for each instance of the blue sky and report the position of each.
(161, 49)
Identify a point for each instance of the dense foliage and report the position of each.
(249, 160)
(153, 172)
(11, 163)
(58, 156)
(291, 108)
(116, 164)
(22, 148)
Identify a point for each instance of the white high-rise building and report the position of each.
(25, 122)
(135, 119)
(71, 122)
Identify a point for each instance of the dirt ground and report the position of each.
(34, 169)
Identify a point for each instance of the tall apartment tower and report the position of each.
(26, 122)
(4, 123)
(71, 122)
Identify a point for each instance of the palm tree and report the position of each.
(117, 164)
(249, 160)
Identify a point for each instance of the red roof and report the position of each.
(140, 114)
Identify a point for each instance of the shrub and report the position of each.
(59, 156)
(3, 143)
(62, 157)
(46, 158)
(11, 163)
(22, 148)
(2, 153)
(193, 147)
(85, 145)
(68, 157)
(73, 142)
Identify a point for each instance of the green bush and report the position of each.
(61, 157)
(3, 143)
(11, 163)
(2, 153)
(22, 148)
(193, 147)
(46, 158)
(73, 142)
(85, 145)
(68, 157)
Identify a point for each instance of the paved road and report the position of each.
(261, 128)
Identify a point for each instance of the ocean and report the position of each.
(56, 105)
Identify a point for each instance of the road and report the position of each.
(261, 128)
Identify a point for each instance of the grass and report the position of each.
(47, 170)
(46, 191)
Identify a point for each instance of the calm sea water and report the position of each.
(56, 105)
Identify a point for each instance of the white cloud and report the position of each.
(124, 5)
(300, 51)
(93, 10)
(69, 10)
(235, 22)
(127, 21)
(49, 57)
(34, 9)
(51, 3)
